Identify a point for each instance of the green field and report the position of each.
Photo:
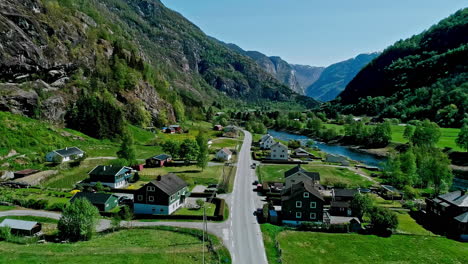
(6, 208)
(225, 143)
(210, 209)
(328, 175)
(191, 174)
(311, 247)
(407, 225)
(32, 194)
(158, 245)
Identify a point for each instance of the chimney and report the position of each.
(104, 168)
(159, 178)
(462, 192)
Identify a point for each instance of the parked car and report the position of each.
(213, 186)
(259, 187)
(253, 166)
(211, 190)
(255, 183)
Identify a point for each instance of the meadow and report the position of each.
(150, 245)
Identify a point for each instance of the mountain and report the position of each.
(306, 75)
(90, 61)
(274, 65)
(335, 77)
(424, 76)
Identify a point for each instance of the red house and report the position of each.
(138, 167)
(218, 128)
(158, 161)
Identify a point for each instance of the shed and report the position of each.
(158, 160)
(21, 227)
(103, 201)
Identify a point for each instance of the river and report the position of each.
(365, 158)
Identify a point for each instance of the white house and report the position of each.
(224, 154)
(64, 155)
(266, 141)
(279, 152)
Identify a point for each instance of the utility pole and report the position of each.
(204, 223)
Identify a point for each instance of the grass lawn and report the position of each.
(230, 143)
(379, 201)
(447, 139)
(407, 225)
(328, 175)
(52, 197)
(270, 233)
(191, 174)
(6, 208)
(210, 209)
(308, 247)
(156, 245)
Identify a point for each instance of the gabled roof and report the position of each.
(18, 224)
(278, 144)
(94, 198)
(345, 192)
(226, 150)
(169, 183)
(457, 198)
(174, 126)
(161, 157)
(390, 188)
(301, 150)
(298, 190)
(67, 152)
(463, 218)
(313, 175)
(265, 137)
(103, 170)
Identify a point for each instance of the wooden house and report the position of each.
(103, 201)
(301, 203)
(158, 161)
(112, 176)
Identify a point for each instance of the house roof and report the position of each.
(457, 198)
(265, 137)
(313, 175)
(18, 224)
(174, 126)
(94, 198)
(390, 188)
(340, 204)
(344, 192)
(301, 150)
(26, 172)
(279, 144)
(67, 152)
(226, 150)
(169, 183)
(103, 170)
(298, 189)
(463, 218)
(162, 157)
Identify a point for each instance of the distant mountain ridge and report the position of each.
(334, 78)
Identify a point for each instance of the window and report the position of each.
(313, 205)
(140, 197)
(298, 204)
(283, 150)
(298, 214)
(313, 215)
(151, 188)
(151, 198)
(306, 195)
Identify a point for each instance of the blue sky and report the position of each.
(314, 32)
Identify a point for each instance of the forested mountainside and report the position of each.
(83, 62)
(335, 77)
(424, 76)
(273, 65)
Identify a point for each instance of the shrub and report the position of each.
(383, 220)
(5, 233)
(78, 221)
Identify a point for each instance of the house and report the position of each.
(231, 131)
(64, 155)
(218, 128)
(450, 211)
(103, 201)
(266, 142)
(301, 203)
(21, 227)
(24, 173)
(337, 159)
(162, 196)
(298, 174)
(302, 153)
(112, 176)
(170, 130)
(177, 128)
(341, 202)
(279, 152)
(390, 192)
(158, 161)
(224, 154)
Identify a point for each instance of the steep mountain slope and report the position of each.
(273, 65)
(307, 75)
(424, 76)
(135, 60)
(335, 77)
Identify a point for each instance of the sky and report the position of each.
(313, 32)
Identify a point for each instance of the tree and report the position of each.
(383, 220)
(294, 144)
(381, 135)
(426, 134)
(209, 114)
(202, 157)
(433, 168)
(360, 205)
(462, 139)
(171, 147)
(408, 133)
(189, 150)
(200, 203)
(99, 187)
(127, 148)
(408, 166)
(78, 220)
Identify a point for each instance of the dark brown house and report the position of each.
(341, 202)
(158, 161)
(301, 203)
(450, 210)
